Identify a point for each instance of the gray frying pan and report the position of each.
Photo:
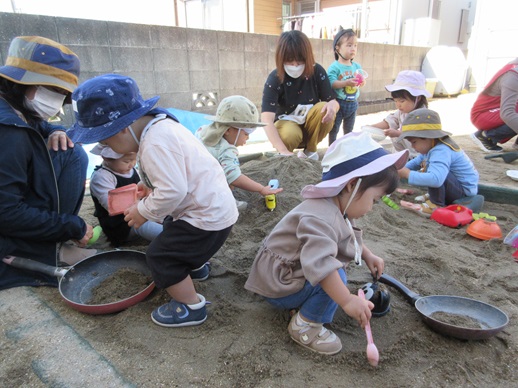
(490, 319)
(77, 282)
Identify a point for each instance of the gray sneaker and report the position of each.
(315, 337)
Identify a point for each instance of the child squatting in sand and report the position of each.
(441, 166)
(236, 118)
(187, 189)
(301, 263)
(117, 170)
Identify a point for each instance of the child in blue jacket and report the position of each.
(441, 165)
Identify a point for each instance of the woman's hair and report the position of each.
(405, 94)
(14, 94)
(387, 178)
(342, 35)
(294, 46)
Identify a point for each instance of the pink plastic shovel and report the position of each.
(372, 351)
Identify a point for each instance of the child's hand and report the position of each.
(133, 217)
(392, 132)
(142, 190)
(351, 82)
(359, 309)
(267, 190)
(404, 173)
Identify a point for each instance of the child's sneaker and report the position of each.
(422, 198)
(475, 202)
(485, 143)
(201, 273)
(314, 336)
(175, 314)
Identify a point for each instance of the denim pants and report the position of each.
(501, 134)
(70, 170)
(450, 191)
(314, 303)
(148, 231)
(346, 115)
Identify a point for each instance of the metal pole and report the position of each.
(364, 19)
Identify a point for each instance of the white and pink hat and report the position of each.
(414, 82)
(353, 155)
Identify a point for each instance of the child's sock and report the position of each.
(301, 321)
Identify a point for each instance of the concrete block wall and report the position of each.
(194, 69)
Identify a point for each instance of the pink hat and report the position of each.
(412, 81)
(354, 155)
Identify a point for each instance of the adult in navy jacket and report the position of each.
(42, 173)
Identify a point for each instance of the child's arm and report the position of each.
(337, 80)
(393, 121)
(245, 183)
(340, 84)
(381, 125)
(353, 305)
(437, 168)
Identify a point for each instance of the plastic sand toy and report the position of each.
(386, 200)
(360, 76)
(484, 229)
(97, 233)
(121, 198)
(270, 201)
(453, 216)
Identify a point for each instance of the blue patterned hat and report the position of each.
(104, 106)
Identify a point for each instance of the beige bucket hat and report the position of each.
(233, 111)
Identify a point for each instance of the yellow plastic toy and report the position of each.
(270, 201)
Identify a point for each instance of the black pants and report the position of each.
(179, 249)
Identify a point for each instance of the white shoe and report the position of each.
(314, 336)
(422, 198)
(307, 154)
(71, 254)
(515, 146)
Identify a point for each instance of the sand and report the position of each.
(244, 341)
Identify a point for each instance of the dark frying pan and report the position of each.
(77, 282)
(490, 319)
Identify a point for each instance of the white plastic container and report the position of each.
(449, 66)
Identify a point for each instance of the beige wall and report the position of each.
(193, 69)
(267, 14)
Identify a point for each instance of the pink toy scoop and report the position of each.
(372, 351)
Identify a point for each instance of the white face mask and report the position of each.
(46, 103)
(294, 71)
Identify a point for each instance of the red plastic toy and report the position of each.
(453, 216)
